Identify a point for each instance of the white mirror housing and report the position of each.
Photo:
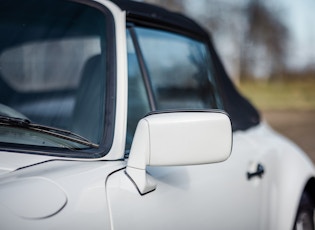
(178, 139)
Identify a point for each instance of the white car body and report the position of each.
(53, 192)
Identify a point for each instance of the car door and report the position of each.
(168, 71)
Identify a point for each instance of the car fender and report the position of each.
(295, 170)
(287, 172)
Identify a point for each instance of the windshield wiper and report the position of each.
(60, 133)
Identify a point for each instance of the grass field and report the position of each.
(289, 95)
(289, 107)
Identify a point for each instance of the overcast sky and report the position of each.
(300, 18)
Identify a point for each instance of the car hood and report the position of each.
(10, 161)
(39, 188)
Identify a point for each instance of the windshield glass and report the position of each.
(53, 71)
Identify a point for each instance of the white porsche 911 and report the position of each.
(120, 115)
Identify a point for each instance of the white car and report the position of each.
(120, 115)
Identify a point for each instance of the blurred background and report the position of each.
(268, 49)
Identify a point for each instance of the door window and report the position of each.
(180, 70)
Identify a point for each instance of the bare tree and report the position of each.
(266, 40)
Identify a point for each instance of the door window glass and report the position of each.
(180, 70)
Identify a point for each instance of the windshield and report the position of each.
(53, 71)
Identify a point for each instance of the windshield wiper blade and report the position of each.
(57, 132)
(20, 122)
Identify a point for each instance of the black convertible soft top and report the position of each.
(147, 13)
(241, 112)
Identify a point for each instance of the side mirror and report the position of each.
(177, 139)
